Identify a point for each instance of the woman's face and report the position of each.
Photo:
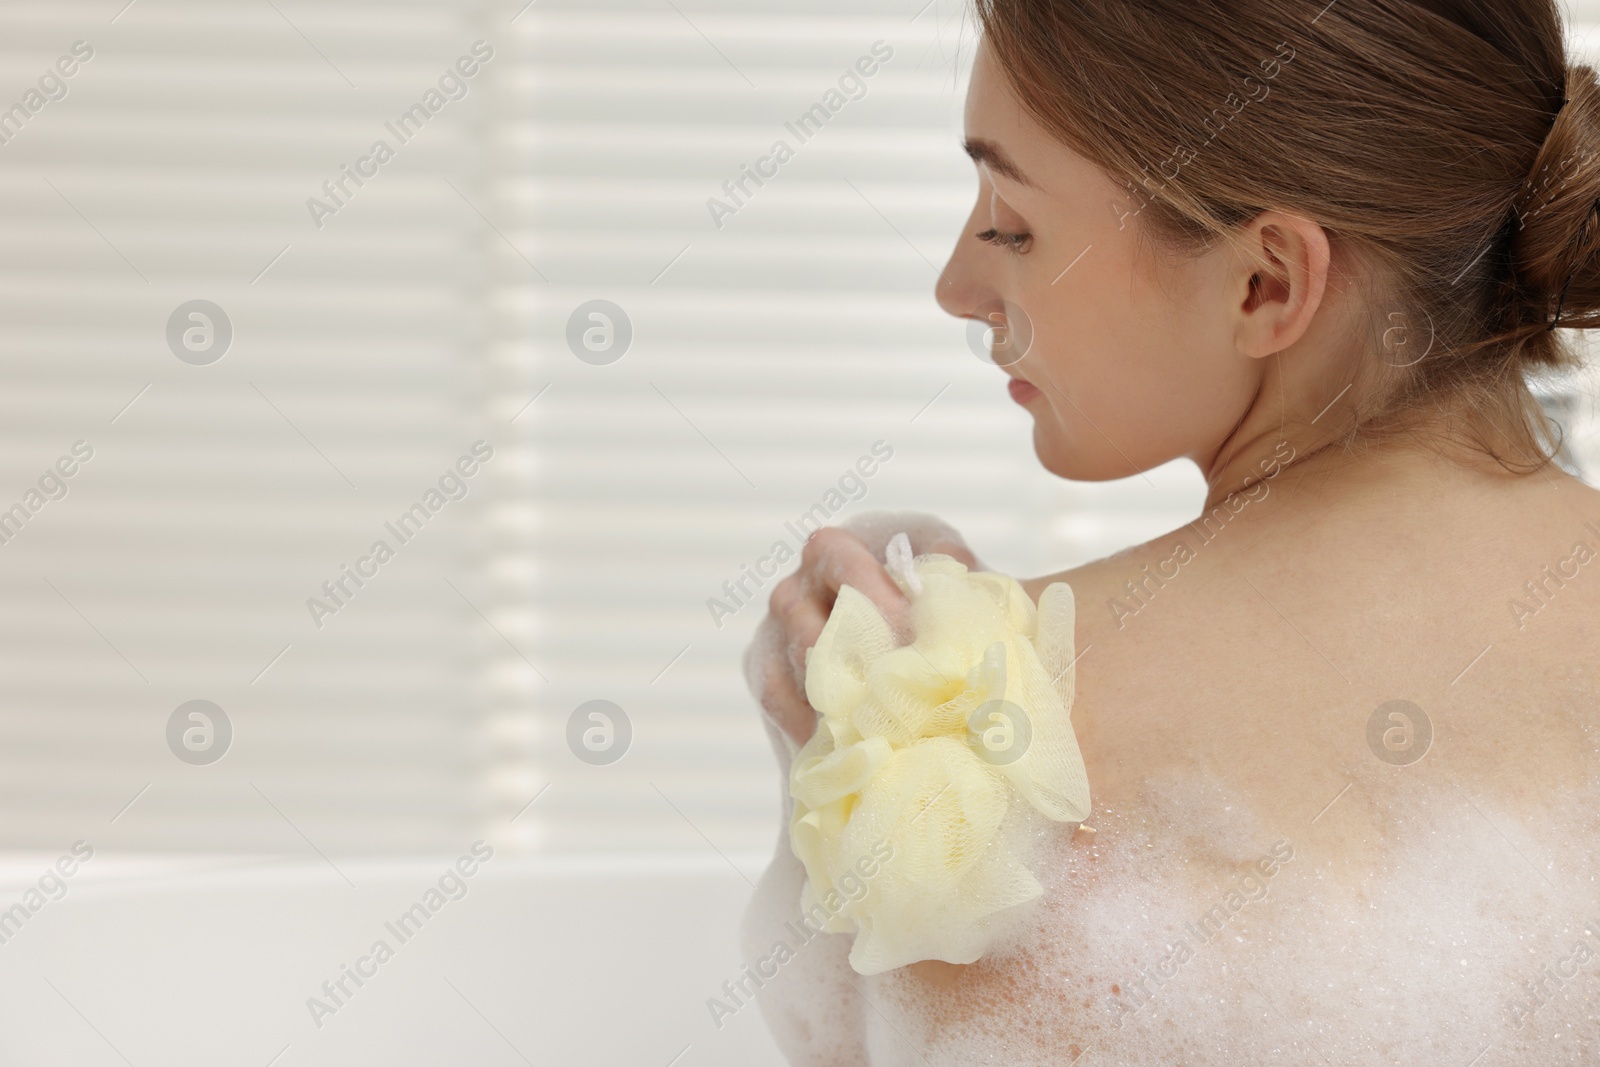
(1131, 363)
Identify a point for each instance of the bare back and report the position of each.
(1346, 799)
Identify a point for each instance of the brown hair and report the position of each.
(1446, 145)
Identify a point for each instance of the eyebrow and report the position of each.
(992, 154)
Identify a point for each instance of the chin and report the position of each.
(1054, 456)
(1067, 459)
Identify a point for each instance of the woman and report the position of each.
(1343, 730)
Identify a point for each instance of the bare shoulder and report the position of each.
(1446, 645)
(1391, 593)
(1300, 726)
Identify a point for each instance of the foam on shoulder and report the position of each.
(1477, 941)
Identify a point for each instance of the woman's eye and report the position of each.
(1012, 242)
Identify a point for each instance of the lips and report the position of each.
(1022, 390)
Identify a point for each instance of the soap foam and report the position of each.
(1475, 942)
(766, 651)
(1437, 958)
(927, 533)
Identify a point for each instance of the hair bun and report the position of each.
(1556, 236)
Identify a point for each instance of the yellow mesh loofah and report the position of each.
(907, 799)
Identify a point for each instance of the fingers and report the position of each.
(833, 558)
(773, 682)
(792, 713)
(799, 606)
(805, 621)
(927, 533)
(800, 617)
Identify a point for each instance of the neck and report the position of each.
(1303, 422)
(1329, 472)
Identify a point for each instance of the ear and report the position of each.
(1282, 280)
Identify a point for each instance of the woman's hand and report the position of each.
(774, 668)
(848, 554)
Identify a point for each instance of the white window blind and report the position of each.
(430, 310)
(768, 354)
(220, 497)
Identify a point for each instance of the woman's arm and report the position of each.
(813, 1004)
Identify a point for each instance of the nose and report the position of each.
(960, 289)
